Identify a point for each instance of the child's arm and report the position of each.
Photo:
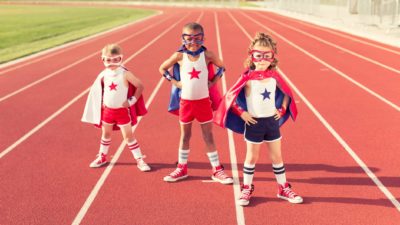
(132, 79)
(218, 62)
(246, 116)
(281, 111)
(176, 57)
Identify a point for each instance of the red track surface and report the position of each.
(45, 178)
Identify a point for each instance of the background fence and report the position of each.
(383, 13)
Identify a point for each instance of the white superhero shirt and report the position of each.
(194, 78)
(261, 99)
(115, 88)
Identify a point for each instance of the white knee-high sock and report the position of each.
(248, 173)
(214, 159)
(135, 149)
(104, 145)
(280, 173)
(183, 156)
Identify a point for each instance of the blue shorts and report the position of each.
(266, 129)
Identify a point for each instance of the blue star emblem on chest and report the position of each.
(265, 94)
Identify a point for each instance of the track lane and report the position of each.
(187, 202)
(62, 87)
(363, 127)
(55, 179)
(326, 189)
(320, 170)
(364, 74)
(376, 51)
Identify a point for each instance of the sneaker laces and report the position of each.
(100, 157)
(140, 161)
(176, 172)
(246, 192)
(221, 174)
(289, 192)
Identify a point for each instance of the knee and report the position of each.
(186, 137)
(208, 137)
(106, 135)
(252, 160)
(276, 156)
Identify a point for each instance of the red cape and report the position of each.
(137, 109)
(224, 117)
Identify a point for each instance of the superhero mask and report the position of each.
(112, 61)
(258, 56)
(193, 38)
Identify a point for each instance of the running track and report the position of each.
(341, 154)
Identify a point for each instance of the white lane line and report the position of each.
(30, 133)
(232, 151)
(349, 37)
(107, 171)
(75, 63)
(82, 212)
(52, 52)
(356, 158)
(333, 45)
(391, 104)
(38, 127)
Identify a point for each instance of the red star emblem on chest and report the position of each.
(194, 73)
(113, 86)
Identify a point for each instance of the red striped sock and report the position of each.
(104, 145)
(135, 149)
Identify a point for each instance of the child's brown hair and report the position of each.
(193, 26)
(112, 49)
(262, 39)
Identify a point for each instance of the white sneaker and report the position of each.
(142, 165)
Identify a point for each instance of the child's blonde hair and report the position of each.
(262, 39)
(111, 49)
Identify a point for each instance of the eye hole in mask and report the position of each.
(112, 61)
(193, 38)
(258, 56)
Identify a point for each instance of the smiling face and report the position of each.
(262, 56)
(192, 39)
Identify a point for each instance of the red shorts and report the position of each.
(195, 109)
(118, 116)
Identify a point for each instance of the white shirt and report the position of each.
(194, 78)
(115, 88)
(261, 100)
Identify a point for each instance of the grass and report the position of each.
(28, 29)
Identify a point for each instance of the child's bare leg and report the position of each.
(186, 133)
(252, 153)
(106, 131)
(206, 129)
